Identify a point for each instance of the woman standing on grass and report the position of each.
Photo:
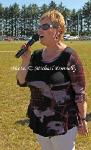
(55, 77)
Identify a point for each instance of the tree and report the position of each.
(43, 9)
(6, 21)
(1, 19)
(29, 21)
(87, 16)
(52, 5)
(1, 11)
(80, 21)
(35, 13)
(61, 8)
(13, 17)
(16, 12)
(73, 22)
(23, 16)
(15, 21)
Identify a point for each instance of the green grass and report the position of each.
(14, 133)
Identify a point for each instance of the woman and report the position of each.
(56, 80)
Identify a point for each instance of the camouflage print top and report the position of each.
(55, 88)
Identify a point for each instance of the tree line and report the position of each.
(16, 21)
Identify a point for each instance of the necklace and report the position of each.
(47, 57)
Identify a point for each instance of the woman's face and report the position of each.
(47, 33)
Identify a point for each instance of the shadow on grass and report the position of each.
(88, 117)
(23, 122)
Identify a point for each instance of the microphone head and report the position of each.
(35, 37)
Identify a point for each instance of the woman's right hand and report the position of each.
(26, 56)
(83, 128)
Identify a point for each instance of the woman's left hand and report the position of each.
(83, 128)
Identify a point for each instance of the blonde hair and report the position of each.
(56, 19)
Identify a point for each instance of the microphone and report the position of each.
(35, 38)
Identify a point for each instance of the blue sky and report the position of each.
(77, 4)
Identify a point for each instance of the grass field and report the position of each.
(14, 133)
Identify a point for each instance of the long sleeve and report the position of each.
(76, 74)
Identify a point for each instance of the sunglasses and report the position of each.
(45, 26)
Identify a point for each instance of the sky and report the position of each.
(70, 4)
